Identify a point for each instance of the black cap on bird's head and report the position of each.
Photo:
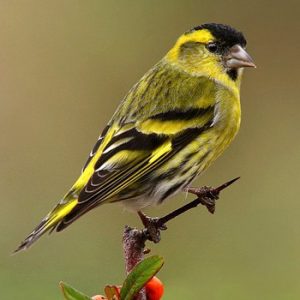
(226, 35)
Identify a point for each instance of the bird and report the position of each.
(168, 129)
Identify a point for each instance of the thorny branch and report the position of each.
(134, 239)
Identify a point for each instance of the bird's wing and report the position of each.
(129, 155)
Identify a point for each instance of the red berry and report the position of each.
(154, 289)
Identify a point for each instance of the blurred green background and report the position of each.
(64, 67)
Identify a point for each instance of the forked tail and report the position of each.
(48, 223)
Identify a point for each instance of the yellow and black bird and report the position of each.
(173, 123)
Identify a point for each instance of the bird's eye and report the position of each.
(212, 47)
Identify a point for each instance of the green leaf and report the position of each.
(72, 294)
(140, 275)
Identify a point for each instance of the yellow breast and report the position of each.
(226, 123)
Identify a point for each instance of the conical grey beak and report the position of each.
(238, 58)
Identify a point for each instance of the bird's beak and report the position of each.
(238, 58)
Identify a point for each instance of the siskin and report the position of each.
(169, 128)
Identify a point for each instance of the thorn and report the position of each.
(225, 185)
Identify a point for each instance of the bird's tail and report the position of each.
(48, 223)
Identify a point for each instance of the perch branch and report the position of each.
(134, 239)
(206, 197)
(133, 247)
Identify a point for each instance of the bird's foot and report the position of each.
(152, 228)
(207, 195)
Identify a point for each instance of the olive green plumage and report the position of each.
(168, 129)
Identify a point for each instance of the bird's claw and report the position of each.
(207, 195)
(152, 228)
